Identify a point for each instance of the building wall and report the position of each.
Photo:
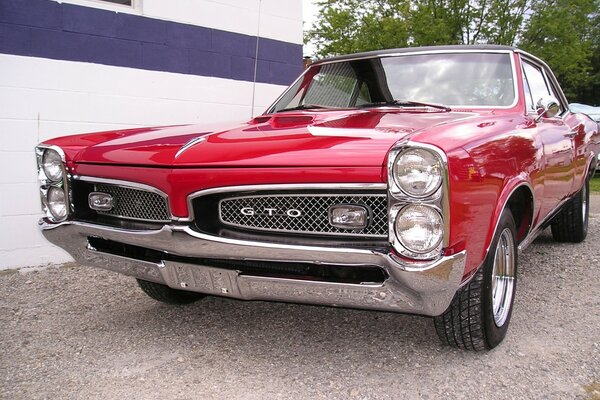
(72, 67)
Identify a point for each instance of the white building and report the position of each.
(77, 66)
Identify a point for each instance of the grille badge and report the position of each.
(250, 212)
(100, 201)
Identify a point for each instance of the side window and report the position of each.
(554, 93)
(536, 83)
(364, 96)
(333, 86)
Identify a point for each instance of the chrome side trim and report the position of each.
(276, 187)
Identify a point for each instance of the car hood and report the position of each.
(323, 138)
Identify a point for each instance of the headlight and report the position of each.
(52, 165)
(56, 202)
(419, 228)
(417, 172)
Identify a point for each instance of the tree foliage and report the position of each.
(565, 33)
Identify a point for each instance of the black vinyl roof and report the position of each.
(378, 53)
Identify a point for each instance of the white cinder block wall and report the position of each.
(74, 84)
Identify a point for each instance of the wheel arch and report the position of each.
(518, 197)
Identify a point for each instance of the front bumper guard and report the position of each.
(425, 289)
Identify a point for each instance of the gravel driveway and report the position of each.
(79, 333)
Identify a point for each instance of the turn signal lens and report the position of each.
(348, 216)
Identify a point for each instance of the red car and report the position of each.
(402, 180)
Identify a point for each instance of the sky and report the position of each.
(309, 13)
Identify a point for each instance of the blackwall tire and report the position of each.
(571, 224)
(167, 295)
(479, 315)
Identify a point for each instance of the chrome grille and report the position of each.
(314, 218)
(138, 204)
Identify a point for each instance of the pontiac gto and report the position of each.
(403, 180)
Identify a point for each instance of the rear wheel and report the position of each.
(168, 295)
(571, 223)
(479, 315)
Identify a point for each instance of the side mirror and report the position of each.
(547, 107)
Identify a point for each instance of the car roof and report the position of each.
(406, 50)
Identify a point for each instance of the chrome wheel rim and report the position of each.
(503, 277)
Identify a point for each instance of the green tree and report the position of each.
(564, 33)
(347, 26)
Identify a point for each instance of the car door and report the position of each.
(558, 167)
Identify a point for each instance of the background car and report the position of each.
(590, 111)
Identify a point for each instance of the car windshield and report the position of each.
(468, 79)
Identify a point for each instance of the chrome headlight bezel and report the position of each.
(437, 198)
(49, 184)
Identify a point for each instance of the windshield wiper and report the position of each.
(405, 103)
(301, 107)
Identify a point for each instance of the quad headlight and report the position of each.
(54, 185)
(419, 228)
(52, 165)
(56, 203)
(418, 200)
(417, 172)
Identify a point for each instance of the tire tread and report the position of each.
(461, 326)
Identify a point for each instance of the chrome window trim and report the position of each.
(549, 77)
(510, 52)
(293, 186)
(130, 185)
(355, 235)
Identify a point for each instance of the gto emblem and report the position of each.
(249, 212)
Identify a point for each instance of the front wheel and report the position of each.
(479, 315)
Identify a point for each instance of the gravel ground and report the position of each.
(74, 333)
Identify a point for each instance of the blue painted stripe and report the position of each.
(45, 28)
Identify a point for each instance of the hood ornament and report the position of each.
(189, 144)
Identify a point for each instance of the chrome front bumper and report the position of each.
(412, 288)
